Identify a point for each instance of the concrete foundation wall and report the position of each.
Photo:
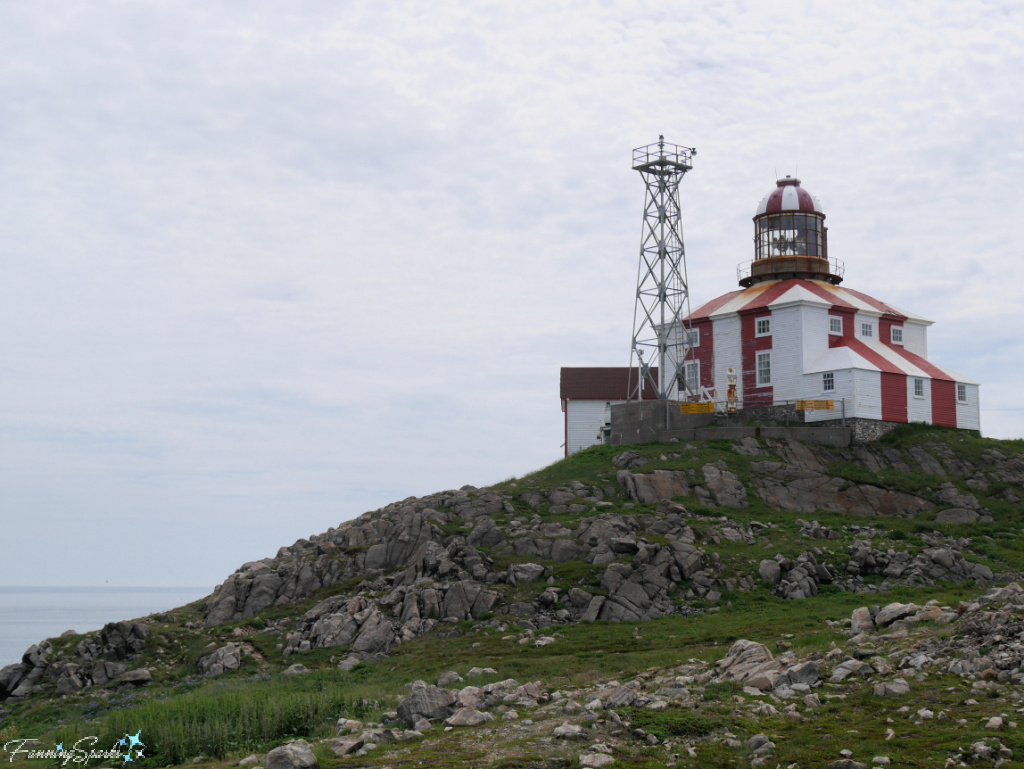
(645, 422)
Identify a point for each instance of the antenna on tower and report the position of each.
(661, 333)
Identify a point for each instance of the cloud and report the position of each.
(267, 268)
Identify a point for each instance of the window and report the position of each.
(918, 388)
(867, 329)
(835, 325)
(961, 393)
(828, 382)
(762, 327)
(693, 376)
(790, 235)
(693, 337)
(764, 369)
(896, 334)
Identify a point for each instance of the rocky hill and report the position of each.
(697, 604)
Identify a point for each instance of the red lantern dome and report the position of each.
(790, 238)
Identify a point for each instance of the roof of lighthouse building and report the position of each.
(788, 195)
(778, 292)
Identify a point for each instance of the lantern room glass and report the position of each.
(788, 235)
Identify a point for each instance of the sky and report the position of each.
(267, 266)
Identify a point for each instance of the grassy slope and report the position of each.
(255, 708)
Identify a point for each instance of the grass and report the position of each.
(252, 709)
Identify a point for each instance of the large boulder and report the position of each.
(225, 658)
(430, 702)
(520, 573)
(291, 755)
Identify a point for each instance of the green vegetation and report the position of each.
(250, 710)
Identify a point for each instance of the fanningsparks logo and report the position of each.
(128, 748)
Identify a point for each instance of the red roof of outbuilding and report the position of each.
(600, 383)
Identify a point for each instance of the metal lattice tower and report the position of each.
(660, 316)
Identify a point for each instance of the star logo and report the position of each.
(60, 747)
(133, 743)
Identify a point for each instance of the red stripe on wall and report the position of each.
(894, 397)
(943, 403)
(867, 353)
(750, 345)
(931, 370)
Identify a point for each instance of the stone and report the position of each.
(595, 760)
(348, 663)
(250, 760)
(468, 717)
(894, 688)
(521, 573)
(724, 485)
(846, 763)
(956, 516)
(225, 658)
(770, 572)
(485, 534)
(994, 723)
(652, 488)
(894, 611)
(568, 731)
(295, 670)
(861, 621)
(291, 755)
(346, 746)
(451, 677)
(430, 702)
(138, 677)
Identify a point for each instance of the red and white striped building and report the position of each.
(793, 333)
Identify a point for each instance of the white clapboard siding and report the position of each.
(814, 339)
(585, 420)
(967, 414)
(861, 318)
(867, 399)
(813, 390)
(787, 346)
(919, 409)
(726, 335)
(915, 338)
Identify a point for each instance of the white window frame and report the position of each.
(835, 325)
(828, 382)
(692, 337)
(692, 366)
(760, 371)
(896, 334)
(918, 388)
(766, 330)
(867, 330)
(961, 392)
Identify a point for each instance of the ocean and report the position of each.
(30, 614)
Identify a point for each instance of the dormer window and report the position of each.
(835, 325)
(763, 327)
(867, 330)
(896, 335)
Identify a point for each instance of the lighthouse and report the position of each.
(796, 338)
(795, 334)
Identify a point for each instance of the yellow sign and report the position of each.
(696, 408)
(815, 405)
